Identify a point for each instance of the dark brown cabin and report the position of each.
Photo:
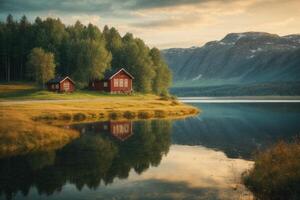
(115, 82)
(61, 84)
(121, 130)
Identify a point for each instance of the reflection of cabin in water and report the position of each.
(121, 130)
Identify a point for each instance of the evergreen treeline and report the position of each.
(81, 52)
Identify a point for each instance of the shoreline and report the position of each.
(241, 97)
(33, 125)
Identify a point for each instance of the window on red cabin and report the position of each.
(125, 82)
(116, 82)
(121, 82)
(105, 84)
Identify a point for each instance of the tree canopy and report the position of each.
(82, 52)
(41, 66)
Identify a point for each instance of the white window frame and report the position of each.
(121, 82)
(105, 84)
(116, 82)
(125, 82)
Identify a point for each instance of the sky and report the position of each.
(168, 23)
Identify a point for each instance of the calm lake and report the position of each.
(195, 158)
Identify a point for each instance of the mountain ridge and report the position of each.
(247, 58)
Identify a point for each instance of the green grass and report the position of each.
(28, 91)
(276, 172)
(104, 106)
(31, 125)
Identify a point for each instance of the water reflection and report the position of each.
(117, 160)
(121, 130)
(92, 160)
(239, 129)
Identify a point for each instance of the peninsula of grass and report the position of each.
(84, 105)
(36, 119)
(97, 109)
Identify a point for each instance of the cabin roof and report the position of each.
(110, 74)
(60, 79)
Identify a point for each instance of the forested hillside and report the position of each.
(252, 62)
(81, 52)
(239, 57)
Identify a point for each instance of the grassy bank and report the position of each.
(26, 99)
(29, 117)
(276, 173)
(28, 91)
(20, 135)
(109, 108)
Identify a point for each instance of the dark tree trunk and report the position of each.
(8, 69)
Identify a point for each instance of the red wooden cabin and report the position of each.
(61, 84)
(118, 81)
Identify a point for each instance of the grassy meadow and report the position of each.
(32, 118)
(28, 91)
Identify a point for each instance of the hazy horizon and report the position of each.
(168, 23)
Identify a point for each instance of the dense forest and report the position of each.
(82, 52)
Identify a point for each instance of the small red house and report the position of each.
(118, 81)
(61, 84)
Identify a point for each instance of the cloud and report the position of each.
(168, 22)
(79, 6)
(95, 6)
(187, 15)
(150, 4)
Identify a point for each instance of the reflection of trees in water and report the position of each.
(89, 160)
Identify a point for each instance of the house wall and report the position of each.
(59, 87)
(54, 87)
(116, 88)
(111, 86)
(99, 85)
(62, 87)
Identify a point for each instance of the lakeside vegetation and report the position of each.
(38, 51)
(106, 107)
(29, 91)
(33, 119)
(20, 135)
(276, 172)
(90, 105)
(29, 126)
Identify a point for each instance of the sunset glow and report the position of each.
(169, 23)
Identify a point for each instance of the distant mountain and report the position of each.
(251, 58)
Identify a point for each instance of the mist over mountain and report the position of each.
(250, 59)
